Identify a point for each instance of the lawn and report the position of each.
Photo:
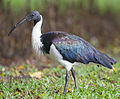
(29, 82)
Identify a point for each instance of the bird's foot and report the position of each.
(76, 87)
(64, 93)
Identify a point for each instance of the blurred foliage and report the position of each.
(102, 5)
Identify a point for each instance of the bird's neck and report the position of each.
(37, 29)
(36, 37)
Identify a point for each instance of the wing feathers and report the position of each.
(75, 49)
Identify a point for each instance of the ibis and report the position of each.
(64, 48)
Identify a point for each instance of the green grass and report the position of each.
(93, 82)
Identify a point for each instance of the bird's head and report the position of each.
(33, 16)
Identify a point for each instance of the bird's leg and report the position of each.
(75, 79)
(67, 78)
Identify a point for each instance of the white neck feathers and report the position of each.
(36, 34)
(37, 28)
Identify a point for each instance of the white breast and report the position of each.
(36, 40)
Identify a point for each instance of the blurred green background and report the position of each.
(97, 21)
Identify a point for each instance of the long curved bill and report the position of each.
(20, 22)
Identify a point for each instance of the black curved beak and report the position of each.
(20, 22)
(32, 16)
(27, 18)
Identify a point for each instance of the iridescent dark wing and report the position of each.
(74, 49)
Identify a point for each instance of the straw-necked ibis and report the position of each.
(65, 48)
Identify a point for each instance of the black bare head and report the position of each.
(33, 16)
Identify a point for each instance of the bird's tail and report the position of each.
(104, 59)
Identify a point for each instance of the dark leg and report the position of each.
(75, 79)
(67, 78)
